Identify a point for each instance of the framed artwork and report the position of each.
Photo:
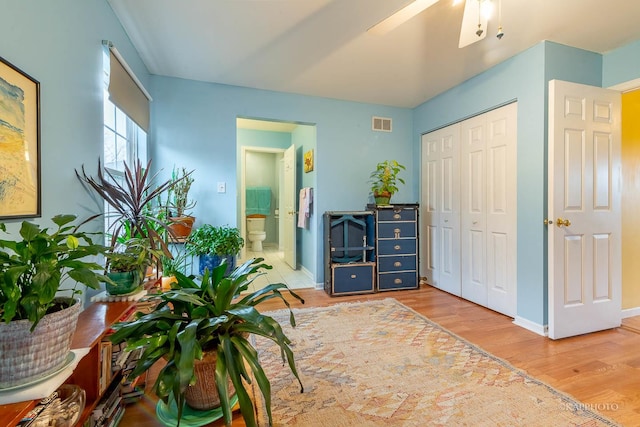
(19, 143)
(308, 161)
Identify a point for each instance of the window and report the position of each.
(124, 142)
(126, 119)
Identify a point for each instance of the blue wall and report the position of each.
(304, 138)
(195, 124)
(59, 44)
(621, 65)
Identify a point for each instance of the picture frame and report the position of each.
(19, 143)
(308, 161)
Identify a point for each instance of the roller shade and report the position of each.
(126, 91)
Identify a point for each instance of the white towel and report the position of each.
(304, 210)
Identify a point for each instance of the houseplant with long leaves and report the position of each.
(133, 199)
(213, 316)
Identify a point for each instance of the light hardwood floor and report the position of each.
(600, 369)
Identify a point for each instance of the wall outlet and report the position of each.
(222, 187)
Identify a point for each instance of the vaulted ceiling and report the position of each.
(322, 47)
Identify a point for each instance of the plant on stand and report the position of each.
(132, 199)
(127, 265)
(384, 181)
(201, 329)
(171, 266)
(33, 270)
(180, 222)
(136, 211)
(213, 244)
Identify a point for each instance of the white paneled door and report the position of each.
(441, 208)
(469, 208)
(584, 209)
(289, 196)
(488, 209)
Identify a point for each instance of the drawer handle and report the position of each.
(353, 276)
(397, 281)
(396, 233)
(397, 247)
(397, 264)
(397, 216)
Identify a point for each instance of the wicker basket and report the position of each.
(203, 395)
(28, 356)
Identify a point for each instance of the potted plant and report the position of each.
(170, 266)
(132, 199)
(127, 265)
(33, 269)
(196, 324)
(181, 222)
(384, 180)
(214, 243)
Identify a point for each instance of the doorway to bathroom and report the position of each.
(268, 188)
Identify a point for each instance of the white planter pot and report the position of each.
(27, 356)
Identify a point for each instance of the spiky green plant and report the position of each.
(214, 315)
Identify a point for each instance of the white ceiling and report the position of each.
(322, 48)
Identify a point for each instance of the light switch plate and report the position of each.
(222, 187)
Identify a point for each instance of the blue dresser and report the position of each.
(397, 246)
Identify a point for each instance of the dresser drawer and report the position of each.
(396, 230)
(397, 263)
(397, 247)
(404, 280)
(353, 278)
(396, 214)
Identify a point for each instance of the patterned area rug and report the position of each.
(380, 363)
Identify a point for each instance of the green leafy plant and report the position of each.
(384, 179)
(178, 196)
(214, 240)
(132, 254)
(214, 315)
(34, 268)
(132, 198)
(172, 265)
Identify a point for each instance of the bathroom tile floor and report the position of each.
(281, 272)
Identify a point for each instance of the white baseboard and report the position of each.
(306, 272)
(630, 312)
(532, 326)
(318, 286)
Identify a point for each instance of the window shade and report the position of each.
(126, 92)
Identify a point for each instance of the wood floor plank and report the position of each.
(601, 370)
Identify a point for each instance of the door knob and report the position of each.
(560, 222)
(548, 221)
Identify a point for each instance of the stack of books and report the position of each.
(109, 410)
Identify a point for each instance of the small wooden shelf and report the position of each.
(11, 414)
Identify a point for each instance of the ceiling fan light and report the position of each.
(487, 9)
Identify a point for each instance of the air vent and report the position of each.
(381, 124)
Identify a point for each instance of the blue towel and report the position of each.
(258, 200)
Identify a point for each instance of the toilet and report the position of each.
(255, 231)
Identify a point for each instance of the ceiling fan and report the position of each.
(474, 19)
